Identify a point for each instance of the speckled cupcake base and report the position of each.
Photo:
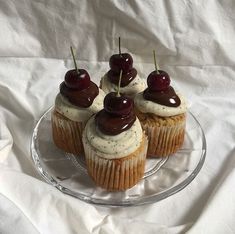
(116, 174)
(67, 134)
(165, 134)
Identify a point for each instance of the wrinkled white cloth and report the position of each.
(194, 41)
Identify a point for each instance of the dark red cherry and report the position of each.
(77, 79)
(118, 62)
(158, 81)
(118, 105)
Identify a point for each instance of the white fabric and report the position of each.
(194, 41)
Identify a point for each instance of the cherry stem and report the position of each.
(74, 60)
(155, 62)
(119, 84)
(119, 45)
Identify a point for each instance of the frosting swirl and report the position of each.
(135, 86)
(75, 113)
(116, 146)
(146, 106)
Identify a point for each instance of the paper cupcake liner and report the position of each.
(116, 174)
(164, 140)
(67, 134)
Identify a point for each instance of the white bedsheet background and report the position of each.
(195, 43)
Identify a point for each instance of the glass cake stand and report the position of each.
(163, 176)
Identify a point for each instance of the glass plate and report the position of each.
(163, 177)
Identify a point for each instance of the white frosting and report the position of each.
(135, 86)
(111, 147)
(79, 114)
(146, 106)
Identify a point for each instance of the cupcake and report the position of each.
(115, 145)
(79, 98)
(162, 114)
(131, 83)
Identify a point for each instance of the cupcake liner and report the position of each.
(116, 174)
(165, 134)
(67, 134)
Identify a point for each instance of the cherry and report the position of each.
(77, 78)
(118, 105)
(158, 80)
(117, 115)
(121, 61)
